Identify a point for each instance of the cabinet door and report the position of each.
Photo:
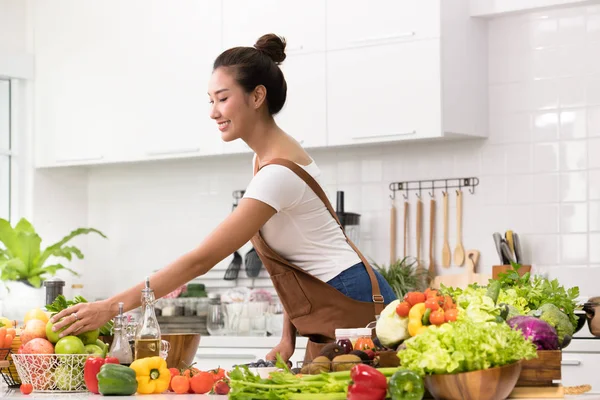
(580, 369)
(352, 23)
(135, 72)
(304, 113)
(384, 93)
(244, 22)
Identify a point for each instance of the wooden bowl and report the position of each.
(184, 347)
(488, 384)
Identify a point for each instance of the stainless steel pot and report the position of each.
(592, 312)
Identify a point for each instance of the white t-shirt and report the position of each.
(302, 231)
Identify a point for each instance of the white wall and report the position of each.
(539, 172)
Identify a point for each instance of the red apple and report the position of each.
(38, 346)
(34, 329)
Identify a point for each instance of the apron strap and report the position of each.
(378, 299)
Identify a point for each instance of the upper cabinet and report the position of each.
(353, 23)
(124, 81)
(408, 70)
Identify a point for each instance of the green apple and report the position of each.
(94, 350)
(89, 337)
(50, 334)
(68, 377)
(69, 345)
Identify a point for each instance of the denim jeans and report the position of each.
(355, 283)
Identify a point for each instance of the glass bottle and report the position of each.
(215, 319)
(147, 335)
(120, 347)
(342, 338)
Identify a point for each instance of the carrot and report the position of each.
(8, 339)
(12, 331)
(2, 335)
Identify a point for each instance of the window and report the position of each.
(5, 150)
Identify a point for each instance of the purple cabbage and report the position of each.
(540, 332)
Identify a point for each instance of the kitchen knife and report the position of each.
(508, 235)
(508, 255)
(498, 242)
(518, 250)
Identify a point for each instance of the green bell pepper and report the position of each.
(116, 379)
(406, 385)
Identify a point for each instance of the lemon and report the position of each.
(35, 313)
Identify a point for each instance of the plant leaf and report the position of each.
(67, 252)
(8, 237)
(24, 226)
(35, 281)
(13, 267)
(28, 250)
(52, 269)
(51, 249)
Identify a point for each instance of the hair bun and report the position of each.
(273, 46)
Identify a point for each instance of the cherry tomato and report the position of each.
(451, 315)
(432, 304)
(437, 317)
(26, 388)
(448, 303)
(403, 309)
(180, 384)
(429, 293)
(413, 298)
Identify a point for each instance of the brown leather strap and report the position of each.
(377, 298)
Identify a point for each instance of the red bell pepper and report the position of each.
(367, 383)
(92, 368)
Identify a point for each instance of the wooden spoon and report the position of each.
(459, 251)
(431, 236)
(419, 232)
(405, 228)
(393, 233)
(446, 249)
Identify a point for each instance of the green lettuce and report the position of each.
(464, 346)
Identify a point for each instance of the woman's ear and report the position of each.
(259, 96)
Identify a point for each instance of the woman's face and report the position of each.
(229, 105)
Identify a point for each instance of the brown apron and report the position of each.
(314, 307)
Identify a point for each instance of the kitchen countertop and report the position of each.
(15, 394)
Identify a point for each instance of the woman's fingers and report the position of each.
(67, 317)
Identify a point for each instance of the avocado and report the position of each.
(332, 350)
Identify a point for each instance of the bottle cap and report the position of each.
(364, 331)
(147, 289)
(343, 332)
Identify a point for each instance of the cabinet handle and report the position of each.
(176, 151)
(570, 362)
(384, 38)
(66, 160)
(384, 136)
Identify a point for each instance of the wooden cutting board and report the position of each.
(465, 278)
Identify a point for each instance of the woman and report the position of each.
(323, 281)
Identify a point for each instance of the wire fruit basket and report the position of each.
(8, 369)
(52, 372)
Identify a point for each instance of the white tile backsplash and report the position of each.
(539, 172)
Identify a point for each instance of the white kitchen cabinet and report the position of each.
(353, 23)
(387, 88)
(580, 362)
(302, 23)
(131, 73)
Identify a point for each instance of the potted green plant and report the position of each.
(25, 264)
(404, 276)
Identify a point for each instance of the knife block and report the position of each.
(500, 269)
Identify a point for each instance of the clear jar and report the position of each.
(342, 338)
(365, 340)
(216, 318)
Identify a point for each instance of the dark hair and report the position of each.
(259, 65)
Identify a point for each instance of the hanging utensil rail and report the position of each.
(432, 185)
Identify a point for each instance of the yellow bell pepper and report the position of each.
(415, 319)
(152, 375)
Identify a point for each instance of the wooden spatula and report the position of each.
(446, 249)
(393, 233)
(419, 232)
(431, 236)
(459, 251)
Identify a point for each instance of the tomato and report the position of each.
(191, 371)
(451, 315)
(174, 372)
(429, 293)
(432, 303)
(202, 382)
(437, 317)
(448, 303)
(180, 384)
(217, 373)
(26, 388)
(402, 309)
(413, 298)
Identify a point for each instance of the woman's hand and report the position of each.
(284, 348)
(82, 317)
